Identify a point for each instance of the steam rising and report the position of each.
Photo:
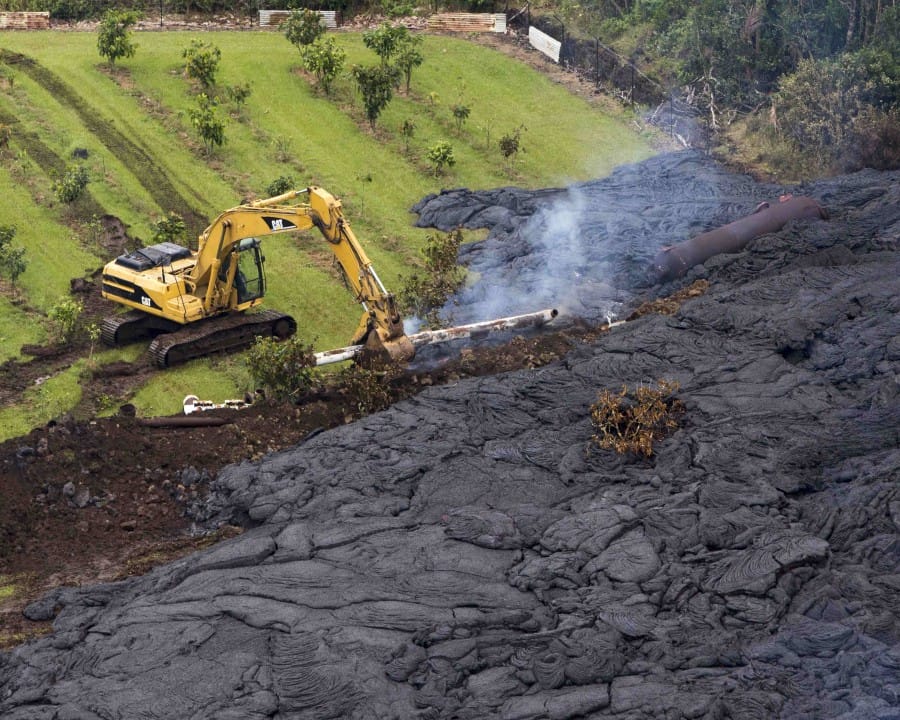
(585, 249)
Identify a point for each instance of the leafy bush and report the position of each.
(424, 294)
(71, 185)
(630, 422)
(325, 60)
(64, 319)
(283, 368)
(237, 95)
(170, 229)
(202, 62)
(440, 155)
(113, 35)
(280, 185)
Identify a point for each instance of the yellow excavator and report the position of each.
(193, 303)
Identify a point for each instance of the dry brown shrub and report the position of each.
(630, 422)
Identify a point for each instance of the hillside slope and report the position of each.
(466, 553)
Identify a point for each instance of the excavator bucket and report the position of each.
(378, 351)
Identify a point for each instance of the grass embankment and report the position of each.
(134, 124)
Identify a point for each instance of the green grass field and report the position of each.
(143, 156)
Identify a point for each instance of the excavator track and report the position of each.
(225, 333)
(133, 326)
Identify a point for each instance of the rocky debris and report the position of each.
(467, 553)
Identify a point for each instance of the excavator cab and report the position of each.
(250, 277)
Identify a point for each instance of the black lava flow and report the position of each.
(469, 554)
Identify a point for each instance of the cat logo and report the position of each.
(275, 224)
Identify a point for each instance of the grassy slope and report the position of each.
(565, 140)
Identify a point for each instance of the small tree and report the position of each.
(64, 319)
(202, 62)
(237, 95)
(409, 55)
(460, 115)
(407, 130)
(285, 368)
(385, 40)
(92, 330)
(71, 185)
(325, 60)
(205, 118)
(170, 229)
(376, 84)
(114, 36)
(12, 259)
(303, 27)
(440, 155)
(510, 145)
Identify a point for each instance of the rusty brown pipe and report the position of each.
(184, 421)
(674, 261)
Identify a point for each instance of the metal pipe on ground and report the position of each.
(460, 332)
(674, 261)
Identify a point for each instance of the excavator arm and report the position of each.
(214, 274)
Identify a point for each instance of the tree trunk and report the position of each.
(852, 12)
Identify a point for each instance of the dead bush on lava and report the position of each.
(369, 386)
(630, 422)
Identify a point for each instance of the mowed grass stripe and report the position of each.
(131, 155)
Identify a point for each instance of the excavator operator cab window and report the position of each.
(249, 280)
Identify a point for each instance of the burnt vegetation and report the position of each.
(631, 421)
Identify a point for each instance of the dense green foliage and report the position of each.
(280, 185)
(385, 40)
(832, 67)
